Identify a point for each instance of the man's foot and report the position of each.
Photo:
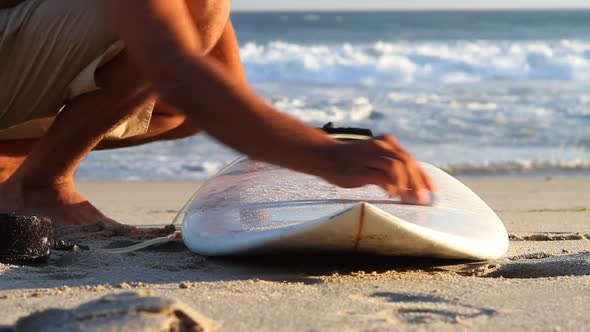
(63, 204)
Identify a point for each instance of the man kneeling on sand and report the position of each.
(83, 75)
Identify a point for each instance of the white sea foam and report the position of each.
(412, 62)
(469, 128)
(342, 110)
(483, 128)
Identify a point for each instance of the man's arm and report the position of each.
(162, 39)
(227, 51)
(160, 36)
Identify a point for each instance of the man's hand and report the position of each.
(380, 161)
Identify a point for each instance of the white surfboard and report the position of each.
(253, 207)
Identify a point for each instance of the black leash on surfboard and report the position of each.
(330, 129)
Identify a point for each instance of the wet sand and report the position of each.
(543, 283)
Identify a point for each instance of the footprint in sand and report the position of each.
(415, 308)
(120, 312)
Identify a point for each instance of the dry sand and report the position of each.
(542, 284)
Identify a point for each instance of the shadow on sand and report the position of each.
(173, 263)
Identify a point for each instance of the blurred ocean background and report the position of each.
(474, 92)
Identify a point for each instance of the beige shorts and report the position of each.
(49, 52)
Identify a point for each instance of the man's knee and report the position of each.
(210, 18)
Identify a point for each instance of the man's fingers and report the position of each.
(379, 174)
(405, 177)
(384, 164)
(379, 177)
(416, 183)
(389, 169)
(401, 176)
(391, 190)
(394, 145)
(381, 148)
(428, 182)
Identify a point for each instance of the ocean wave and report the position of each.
(472, 129)
(416, 62)
(342, 110)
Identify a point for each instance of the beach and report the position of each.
(542, 284)
(498, 98)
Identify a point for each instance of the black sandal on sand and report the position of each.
(25, 237)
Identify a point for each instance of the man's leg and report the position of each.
(166, 123)
(44, 184)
